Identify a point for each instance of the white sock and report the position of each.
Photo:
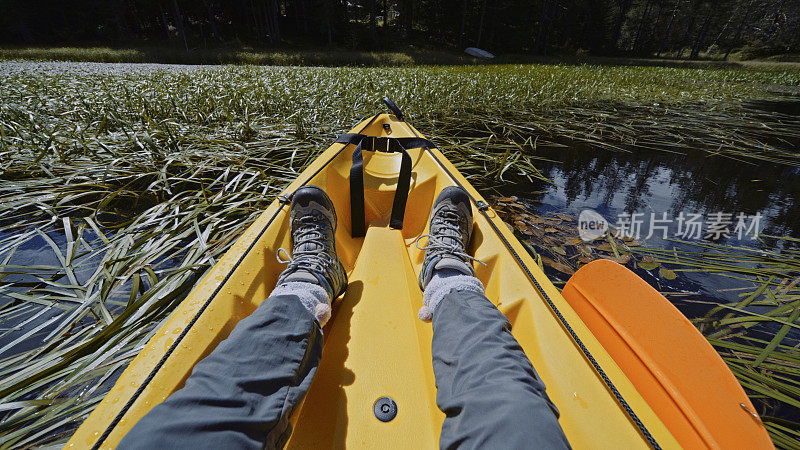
(313, 296)
(442, 283)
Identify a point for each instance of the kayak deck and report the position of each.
(375, 345)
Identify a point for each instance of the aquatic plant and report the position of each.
(757, 334)
(122, 184)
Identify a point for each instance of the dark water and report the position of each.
(650, 182)
(29, 328)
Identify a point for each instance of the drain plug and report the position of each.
(385, 409)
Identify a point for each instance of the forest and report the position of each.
(682, 29)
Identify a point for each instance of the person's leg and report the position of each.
(486, 385)
(243, 393)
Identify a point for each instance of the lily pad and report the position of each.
(667, 274)
(648, 265)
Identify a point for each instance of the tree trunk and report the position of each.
(463, 25)
(165, 23)
(739, 29)
(372, 33)
(24, 31)
(275, 15)
(256, 16)
(538, 47)
(271, 13)
(304, 15)
(669, 28)
(480, 27)
(724, 29)
(408, 18)
(211, 19)
(624, 7)
(549, 28)
(701, 36)
(595, 27)
(179, 24)
(646, 11)
(328, 23)
(385, 23)
(683, 42)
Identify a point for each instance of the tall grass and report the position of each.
(133, 179)
(751, 333)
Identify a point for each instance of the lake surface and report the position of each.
(677, 196)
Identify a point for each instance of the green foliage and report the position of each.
(678, 28)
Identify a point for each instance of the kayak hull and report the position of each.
(375, 345)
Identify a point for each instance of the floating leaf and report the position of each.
(561, 267)
(667, 274)
(605, 247)
(559, 250)
(507, 199)
(622, 259)
(648, 265)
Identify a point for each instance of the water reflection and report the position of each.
(648, 181)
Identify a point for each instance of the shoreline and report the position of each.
(334, 57)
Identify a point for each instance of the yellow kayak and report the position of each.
(375, 345)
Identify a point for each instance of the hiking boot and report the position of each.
(313, 226)
(450, 231)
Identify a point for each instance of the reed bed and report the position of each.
(756, 335)
(129, 181)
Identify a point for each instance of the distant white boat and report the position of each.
(478, 53)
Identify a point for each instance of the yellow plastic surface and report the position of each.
(374, 344)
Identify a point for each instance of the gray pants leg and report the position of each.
(487, 387)
(241, 396)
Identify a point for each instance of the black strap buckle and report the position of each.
(372, 143)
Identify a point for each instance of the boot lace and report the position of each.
(308, 257)
(449, 229)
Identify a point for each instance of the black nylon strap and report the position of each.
(358, 226)
(401, 193)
